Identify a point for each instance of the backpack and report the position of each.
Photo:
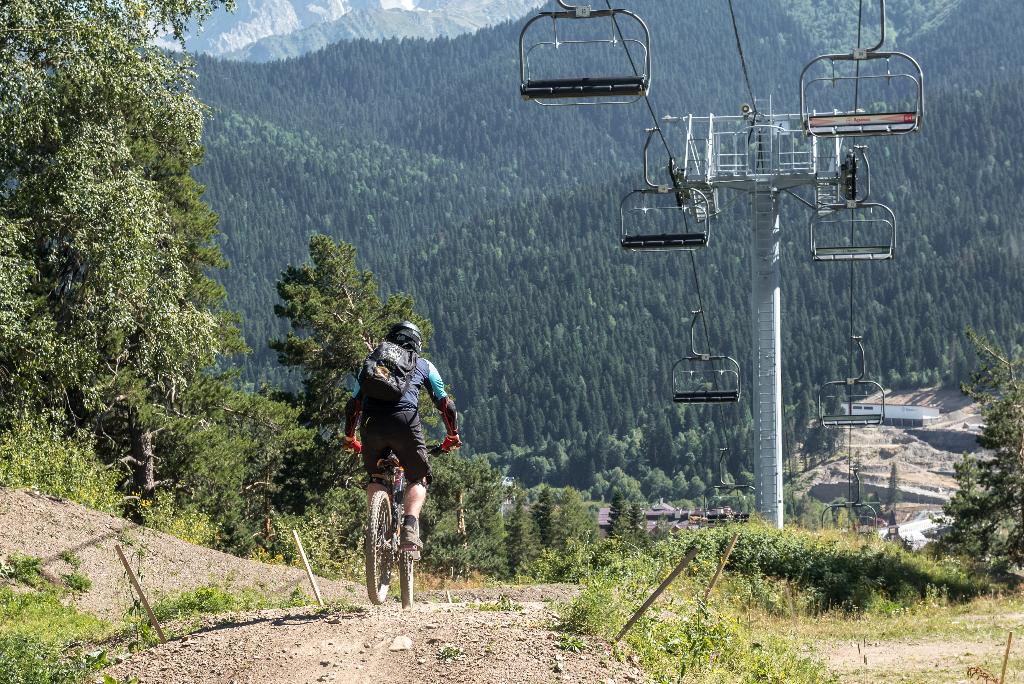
(387, 372)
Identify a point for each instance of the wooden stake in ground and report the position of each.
(309, 570)
(657, 592)
(721, 566)
(141, 594)
(1006, 658)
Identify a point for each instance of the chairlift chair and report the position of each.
(850, 402)
(855, 232)
(621, 47)
(857, 507)
(704, 378)
(724, 488)
(853, 180)
(664, 218)
(891, 82)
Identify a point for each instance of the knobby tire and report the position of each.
(405, 570)
(377, 548)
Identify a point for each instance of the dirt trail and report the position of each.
(939, 661)
(451, 643)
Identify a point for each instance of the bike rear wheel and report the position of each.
(378, 548)
(405, 577)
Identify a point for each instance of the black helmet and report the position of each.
(405, 334)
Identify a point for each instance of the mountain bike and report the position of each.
(383, 534)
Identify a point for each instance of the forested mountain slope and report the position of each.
(501, 218)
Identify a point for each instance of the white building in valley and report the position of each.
(900, 415)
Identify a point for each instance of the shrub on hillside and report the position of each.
(186, 522)
(682, 641)
(331, 532)
(836, 570)
(39, 636)
(24, 660)
(37, 456)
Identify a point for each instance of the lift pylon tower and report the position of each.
(763, 155)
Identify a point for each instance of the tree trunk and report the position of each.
(143, 459)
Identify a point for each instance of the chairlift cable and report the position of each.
(849, 430)
(743, 61)
(672, 157)
(647, 99)
(700, 303)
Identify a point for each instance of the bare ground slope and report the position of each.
(451, 643)
(38, 525)
(924, 457)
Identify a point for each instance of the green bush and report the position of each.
(23, 569)
(36, 456)
(187, 523)
(211, 600)
(682, 641)
(331, 532)
(838, 570)
(76, 581)
(24, 660)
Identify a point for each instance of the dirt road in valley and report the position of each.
(454, 643)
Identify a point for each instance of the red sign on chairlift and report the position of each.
(862, 119)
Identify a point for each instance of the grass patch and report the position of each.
(77, 582)
(212, 600)
(683, 642)
(784, 592)
(41, 615)
(503, 604)
(571, 642)
(449, 653)
(23, 570)
(832, 570)
(71, 558)
(36, 630)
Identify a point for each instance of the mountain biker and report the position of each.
(395, 426)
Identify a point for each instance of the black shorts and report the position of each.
(399, 432)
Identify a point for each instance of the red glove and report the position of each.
(351, 444)
(450, 442)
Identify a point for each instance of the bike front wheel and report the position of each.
(379, 549)
(405, 577)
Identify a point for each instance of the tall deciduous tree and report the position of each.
(988, 510)
(107, 311)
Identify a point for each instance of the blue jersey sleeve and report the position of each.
(355, 388)
(435, 382)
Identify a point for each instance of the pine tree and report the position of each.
(478, 543)
(543, 513)
(615, 511)
(637, 520)
(892, 496)
(521, 543)
(573, 521)
(336, 317)
(988, 509)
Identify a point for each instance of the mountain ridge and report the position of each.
(265, 30)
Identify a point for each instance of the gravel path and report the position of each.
(450, 643)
